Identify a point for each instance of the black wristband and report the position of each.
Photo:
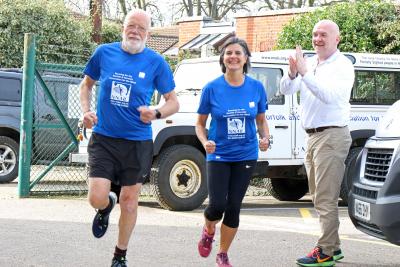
(158, 114)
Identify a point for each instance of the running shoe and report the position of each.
(205, 243)
(338, 255)
(119, 262)
(100, 221)
(223, 260)
(316, 258)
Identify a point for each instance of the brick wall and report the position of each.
(188, 30)
(260, 31)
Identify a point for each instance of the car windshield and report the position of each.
(194, 76)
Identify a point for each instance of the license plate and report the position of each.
(362, 210)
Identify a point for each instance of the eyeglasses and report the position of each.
(136, 27)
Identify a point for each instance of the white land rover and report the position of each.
(178, 173)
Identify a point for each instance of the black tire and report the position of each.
(9, 157)
(286, 189)
(179, 178)
(347, 178)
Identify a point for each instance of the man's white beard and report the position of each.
(133, 46)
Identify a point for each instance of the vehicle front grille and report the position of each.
(371, 228)
(377, 164)
(365, 192)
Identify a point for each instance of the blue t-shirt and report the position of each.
(127, 81)
(233, 111)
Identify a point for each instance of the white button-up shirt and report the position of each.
(324, 91)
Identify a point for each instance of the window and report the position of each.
(270, 78)
(61, 88)
(196, 75)
(59, 91)
(376, 88)
(10, 89)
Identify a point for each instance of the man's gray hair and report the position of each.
(135, 12)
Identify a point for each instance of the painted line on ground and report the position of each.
(305, 213)
(281, 228)
(384, 243)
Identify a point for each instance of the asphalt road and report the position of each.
(57, 232)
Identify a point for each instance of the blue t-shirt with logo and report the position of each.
(233, 111)
(127, 81)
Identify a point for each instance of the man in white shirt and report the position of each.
(325, 82)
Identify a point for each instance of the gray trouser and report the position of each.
(325, 157)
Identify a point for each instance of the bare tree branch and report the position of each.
(216, 9)
(198, 13)
(188, 7)
(123, 6)
(286, 4)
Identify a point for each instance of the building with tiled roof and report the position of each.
(201, 35)
(162, 43)
(164, 40)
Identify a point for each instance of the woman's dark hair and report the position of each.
(243, 44)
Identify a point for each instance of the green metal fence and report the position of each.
(55, 127)
(49, 128)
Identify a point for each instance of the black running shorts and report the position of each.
(123, 162)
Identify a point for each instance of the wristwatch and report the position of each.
(158, 114)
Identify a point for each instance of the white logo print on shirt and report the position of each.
(120, 93)
(236, 125)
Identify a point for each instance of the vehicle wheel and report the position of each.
(286, 189)
(179, 179)
(9, 150)
(347, 178)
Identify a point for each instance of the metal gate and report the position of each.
(49, 127)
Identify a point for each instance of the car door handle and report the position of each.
(281, 126)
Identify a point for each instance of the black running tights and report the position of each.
(227, 185)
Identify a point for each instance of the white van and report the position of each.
(374, 202)
(178, 173)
